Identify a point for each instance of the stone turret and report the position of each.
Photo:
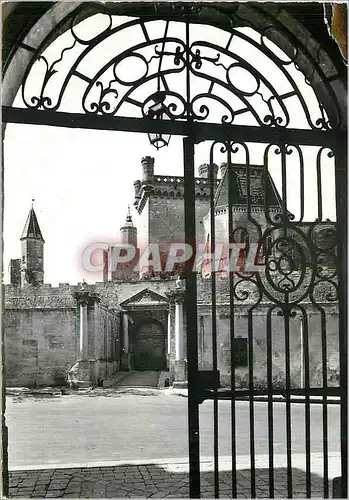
(222, 169)
(204, 170)
(15, 272)
(128, 232)
(148, 169)
(137, 188)
(32, 263)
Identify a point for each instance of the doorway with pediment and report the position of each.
(148, 345)
(144, 320)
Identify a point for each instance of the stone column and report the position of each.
(180, 365)
(179, 327)
(125, 332)
(96, 326)
(80, 374)
(83, 353)
(96, 337)
(125, 358)
(168, 332)
(168, 353)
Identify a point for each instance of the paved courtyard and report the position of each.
(161, 480)
(118, 444)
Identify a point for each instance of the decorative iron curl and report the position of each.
(171, 107)
(103, 105)
(280, 269)
(286, 311)
(329, 295)
(321, 123)
(274, 117)
(41, 101)
(196, 58)
(252, 289)
(204, 110)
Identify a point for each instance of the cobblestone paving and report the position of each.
(149, 481)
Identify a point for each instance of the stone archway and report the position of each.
(35, 29)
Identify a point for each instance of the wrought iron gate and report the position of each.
(297, 273)
(189, 58)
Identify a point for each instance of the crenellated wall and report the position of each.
(160, 203)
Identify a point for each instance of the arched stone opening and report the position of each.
(36, 32)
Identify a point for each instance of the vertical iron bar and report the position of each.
(324, 401)
(190, 307)
(187, 62)
(341, 181)
(319, 184)
(301, 177)
(286, 313)
(288, 398)
(270, 404)
(4, 488)
(212, 184)
(323, 342)
(304, 320)
(232, 323)
(251, 403)
(250, 339)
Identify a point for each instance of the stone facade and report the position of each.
(40, 334)
(136, 320)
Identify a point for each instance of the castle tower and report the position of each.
(128, 235)
(159, 201)
(32, 263)
(128, 232)
(147, 169)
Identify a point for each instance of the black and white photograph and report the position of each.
(174, 249)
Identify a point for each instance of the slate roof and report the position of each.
(32, 228)
(239, 188)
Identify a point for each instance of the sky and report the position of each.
(82, 180)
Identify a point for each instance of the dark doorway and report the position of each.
(149, 350)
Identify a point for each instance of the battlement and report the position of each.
(168, 187)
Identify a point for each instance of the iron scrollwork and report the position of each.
(300, 258)
(222, 82)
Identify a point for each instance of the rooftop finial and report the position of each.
(129, 216)
(33, 202)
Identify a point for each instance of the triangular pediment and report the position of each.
(145, 298)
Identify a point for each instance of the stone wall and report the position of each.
(40, 340)
(320, 326)
(42, 333)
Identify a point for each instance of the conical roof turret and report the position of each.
(31, 227)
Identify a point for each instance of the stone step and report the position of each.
(114, 379)
(139, 379)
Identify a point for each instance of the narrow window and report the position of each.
(240, 352)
